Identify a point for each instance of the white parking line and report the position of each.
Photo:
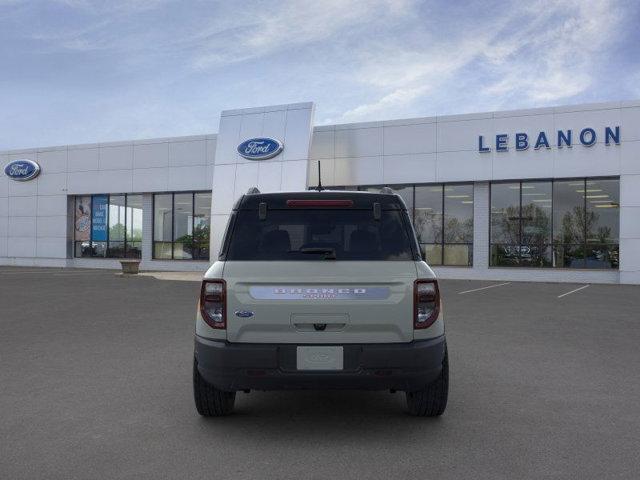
(484, 288)
(573, 291)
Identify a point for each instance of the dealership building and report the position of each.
(547, 194)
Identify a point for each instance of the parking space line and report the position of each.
(484, 288)
(573, 291)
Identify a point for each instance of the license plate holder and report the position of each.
(320, 358)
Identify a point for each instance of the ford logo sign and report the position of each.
(22, 170)
(260, 148)
(244, 313)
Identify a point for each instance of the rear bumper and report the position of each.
(399, 366)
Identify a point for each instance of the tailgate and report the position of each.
(320, 302)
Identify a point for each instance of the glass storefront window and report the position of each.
(569, 223)
(603, 223)
(428, 221)
(134, 226)
(564, 223)
(568, 212)
(535, 230)
(201, 225)
(117, 219)
(505, 224)
(162, 225)
(82, 226)
(108, 226)
(458, 225)
(181, 225)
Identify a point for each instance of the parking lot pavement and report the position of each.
(95, 382)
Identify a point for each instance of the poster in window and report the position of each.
(83, 219)
(99, 214)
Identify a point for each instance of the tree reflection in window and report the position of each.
(568, 224)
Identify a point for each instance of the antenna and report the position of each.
(319, 187)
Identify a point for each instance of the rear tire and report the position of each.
(432, 401)
(210, 402)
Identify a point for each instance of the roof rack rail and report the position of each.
(387, 191)
(253, 191)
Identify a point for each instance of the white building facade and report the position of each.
(549, 194)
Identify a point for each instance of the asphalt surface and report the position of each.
(95, 382)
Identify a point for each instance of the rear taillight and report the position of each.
(426, 303)
(213, 303)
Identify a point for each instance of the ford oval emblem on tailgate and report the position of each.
(243, 313)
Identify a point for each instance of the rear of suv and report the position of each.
(320, 290)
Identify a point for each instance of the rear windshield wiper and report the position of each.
(329, 253)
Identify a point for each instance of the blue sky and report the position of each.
(77, 71)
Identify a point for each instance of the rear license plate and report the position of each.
(320, 358)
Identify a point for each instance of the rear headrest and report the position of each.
(276, 241)
(363, 241)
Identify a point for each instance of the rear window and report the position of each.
(320, 235)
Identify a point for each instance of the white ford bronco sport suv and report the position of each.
(318, 290)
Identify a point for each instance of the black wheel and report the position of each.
(432, 401)
(210, 402)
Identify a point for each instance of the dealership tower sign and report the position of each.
(564, 138)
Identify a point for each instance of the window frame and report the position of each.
(173, 210)
(107, 241)
(553, 245)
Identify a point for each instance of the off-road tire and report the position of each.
(432, 401)
(210, 402)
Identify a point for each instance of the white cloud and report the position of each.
(544, 52)
(397, 98)
(288, 24)
(406, 76)
(554, 63)
(112, 6)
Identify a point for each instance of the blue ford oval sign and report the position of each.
(22, 170)
(260, 148)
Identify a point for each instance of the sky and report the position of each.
(80, 71)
